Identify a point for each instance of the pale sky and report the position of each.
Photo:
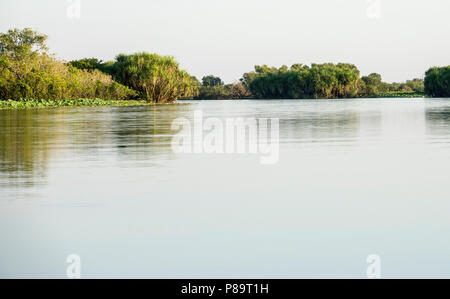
(401, 40)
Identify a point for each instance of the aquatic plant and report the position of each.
(30, 103)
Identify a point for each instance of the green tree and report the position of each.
(211, 81)
(230, 91)
(19, 44)
(437, 82)
(88, 64)
(416, 85)
(374, 83)
(156, 78)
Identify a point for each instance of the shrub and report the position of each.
(155, 78)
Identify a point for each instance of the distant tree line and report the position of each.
(321, 81)
(301, 81)
(306, 82)
(28, 71)
(374, 85)
(213, 88)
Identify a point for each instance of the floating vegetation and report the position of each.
(399, 94)
(28, 103)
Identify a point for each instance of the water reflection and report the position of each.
(141, 136)
(334, 128)
(145, 133)
(24, 146)
(438, 120)
(31, 139)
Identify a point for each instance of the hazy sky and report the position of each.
(400, 40)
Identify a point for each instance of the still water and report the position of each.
(354, 178)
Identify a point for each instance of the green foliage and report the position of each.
(415, 85)
(437, 82)
(20, 44)
(24, 104)
(219, 92)
(155, 78)
(300, 82)
(373, 84)
(375, 87)
(27, 71)
(89, 64)
(212, 81)
(399, 94)
(43, 77)
(324, 81)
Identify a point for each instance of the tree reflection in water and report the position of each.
(31, 139)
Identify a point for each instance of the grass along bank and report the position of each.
(25, 104)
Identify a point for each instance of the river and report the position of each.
(352, 178)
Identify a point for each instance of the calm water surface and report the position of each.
(354, 178)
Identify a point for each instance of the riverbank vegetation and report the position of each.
(29, 71)
(213, 88)
(437, 82)
(375, 87)
(322, 81)
(25, 103)
(154, 78)
(305, 82)
(318, 81)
